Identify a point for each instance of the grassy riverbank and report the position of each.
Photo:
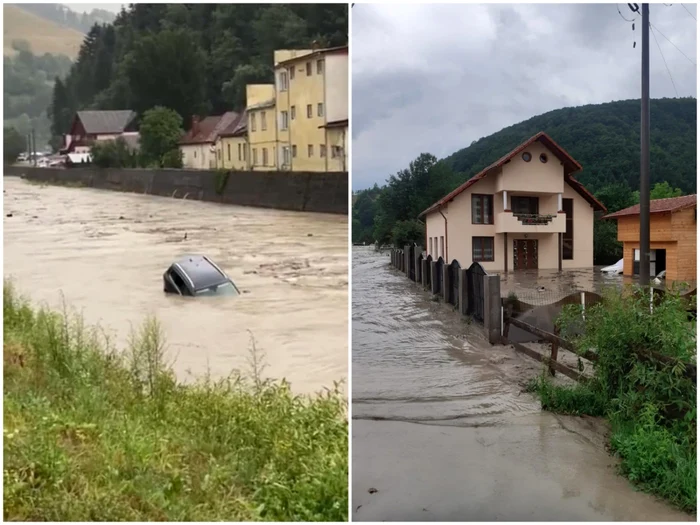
(651, 407)
(91, 434)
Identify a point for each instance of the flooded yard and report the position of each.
(443, 430)
(104, 253)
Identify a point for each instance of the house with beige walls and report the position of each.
(262, 128)
(232, 145)
(525, 211)
(198, 145)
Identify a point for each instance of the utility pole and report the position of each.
(644, 229)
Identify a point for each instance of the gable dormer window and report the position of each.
(527, 157)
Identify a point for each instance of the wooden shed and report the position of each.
(673, 237)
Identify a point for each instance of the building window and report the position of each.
(319, 67)
(431, 246)
(308, 69)
(228, 149)
(291, 73)
(482, 209)
(442, 246)
(482, 249)
(286, 156)
(322, 150)
(245, 149)
(525, 205)
(252, 122)
(543, 158)
(567, 249)
(264, 159)
(239, 152)
(311, 150)
(283, 81)
(294, 151)
(293, 112)
(527, 157)
(284, 118)
(309, 111)
(336, 152)
(263, 121)
(255, 156)
(195, 154)
(320, 109)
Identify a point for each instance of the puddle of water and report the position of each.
(444, 432)
(106, 253)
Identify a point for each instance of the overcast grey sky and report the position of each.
(434, 78)
(86, 8)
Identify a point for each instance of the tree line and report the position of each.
(388, 214)
(195, 59)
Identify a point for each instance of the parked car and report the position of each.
(197, 275)
(615, 269)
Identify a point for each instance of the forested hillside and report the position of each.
(64, 16)
(604, 138)
(193, 58)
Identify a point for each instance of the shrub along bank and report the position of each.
(651, 406)
(91, 434)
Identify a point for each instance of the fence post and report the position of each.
(434, 278)
(417, 263)
(407, 260)
(424, 269)
(492, 308)
(446, 284)
(554, 353)
(583, 305)
(463, 294)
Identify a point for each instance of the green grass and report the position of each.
(651, 407)
(91, 434)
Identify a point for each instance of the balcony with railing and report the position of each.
(509, 222)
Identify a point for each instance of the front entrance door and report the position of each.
(525, 254)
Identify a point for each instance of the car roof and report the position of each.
(202, 271)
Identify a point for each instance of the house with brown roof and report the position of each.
(232, 148)
(525, 211)
(91, 126)
(198, 145)
(672, 240)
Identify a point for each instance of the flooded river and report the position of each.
(442, 430)
(105, 252)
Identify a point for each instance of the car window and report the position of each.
(178, 281)
(221, 289)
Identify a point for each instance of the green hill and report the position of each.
(604, 138)
(42, 35)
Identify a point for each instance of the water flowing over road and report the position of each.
(443, 431)
(105, 252)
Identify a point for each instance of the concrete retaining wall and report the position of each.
(298, 191)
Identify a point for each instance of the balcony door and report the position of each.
(525, 205)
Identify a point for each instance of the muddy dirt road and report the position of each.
(442, 429)
(106, 252)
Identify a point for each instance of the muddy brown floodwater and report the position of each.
(105, 252)
(443, 430)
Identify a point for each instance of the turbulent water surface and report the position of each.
(443, 430)
(105, 252)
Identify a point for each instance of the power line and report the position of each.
(664, 59)
(691, 14)
(674, 45)
(623, 17)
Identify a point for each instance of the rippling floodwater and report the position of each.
(443, 431)
(105, 252)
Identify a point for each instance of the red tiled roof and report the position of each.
(659, 206)
(209, 128)
(570, 166)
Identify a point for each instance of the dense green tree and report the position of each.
(161, 129)
(408, 232)
(113, 154)
(14, 143)
(661, 190)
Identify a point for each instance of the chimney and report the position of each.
(195, 125)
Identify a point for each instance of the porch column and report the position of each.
(560, 205)
(560, 239)
(505, 252)
(505, 200)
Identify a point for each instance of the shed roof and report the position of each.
(106, 122)
(571, 166)
(669, 205)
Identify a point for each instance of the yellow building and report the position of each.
(232, 148)
(312, 109)
(262, 128)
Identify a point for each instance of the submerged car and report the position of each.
(197, 275)
(615, 269)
